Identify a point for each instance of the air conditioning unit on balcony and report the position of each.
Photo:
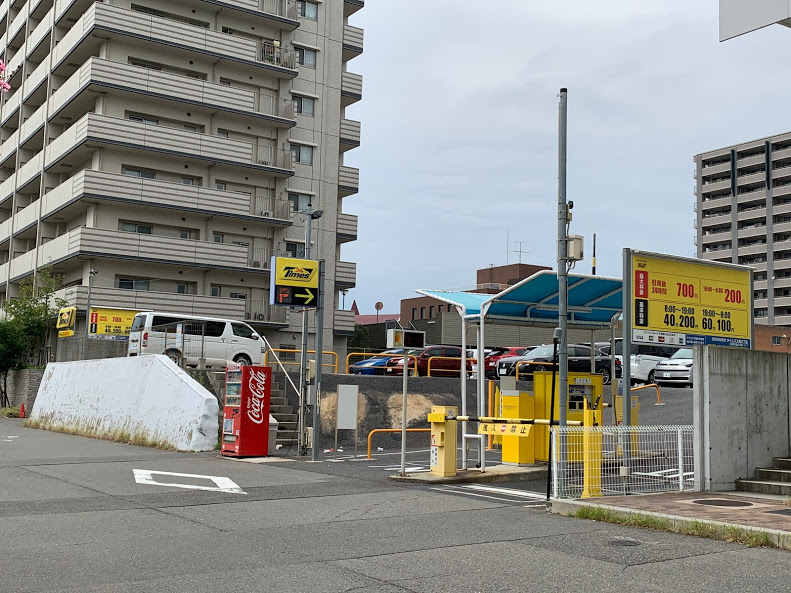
(264, 162)
(266, 214)
(256, 264)
(260, 316)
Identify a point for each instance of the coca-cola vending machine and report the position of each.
(245, 428)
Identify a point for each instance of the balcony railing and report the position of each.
(343, 322)
(262, 311)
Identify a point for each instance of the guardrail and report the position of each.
(295, 363)
(375, 430)
(428, 370)
(534, 363)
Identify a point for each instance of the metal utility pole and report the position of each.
(310, 215)
(91, 275)
(563, 213)
(316, 399)
(593, 261)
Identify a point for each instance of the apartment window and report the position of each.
(240, 243)
(185, 180)
(185, 234)
(775, 340)
(222, 134)
(182, 288)
(225, 82)
(302, 154)
(147, 65)
(216, 290)
(414, 313)
(431, 312)
(134, 283)
(220, 185)
(143, 173)
(422, 312)
(304, 105)
(143, 119)
(238, 295)
(299, 202)
(306, 57)
(308, 10)
(218, 238)
(190, 128)
(136, 227)
(295, 249)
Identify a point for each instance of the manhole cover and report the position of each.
(722, 502)
(780, 512)
(624, 541)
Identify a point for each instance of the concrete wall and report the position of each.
(23, 386)
(145, 400)
(741, 404)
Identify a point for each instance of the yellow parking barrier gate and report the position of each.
(658, 396)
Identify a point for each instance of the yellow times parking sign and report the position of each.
(294, 281)
(681, 301)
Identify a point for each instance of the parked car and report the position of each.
(676, 370)
(491, 360)
(395, 366)
(644, 358)
(448, 363)
(579, 362)
(375, 365)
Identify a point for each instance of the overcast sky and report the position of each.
(459, 130)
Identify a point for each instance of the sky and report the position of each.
(459, 155)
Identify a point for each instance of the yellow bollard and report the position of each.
(443, 441)
(591, 454)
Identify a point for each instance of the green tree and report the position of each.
(34, 311)
(361, 338)
(13, 347)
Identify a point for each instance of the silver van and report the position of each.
(191, 338)
(643, 360)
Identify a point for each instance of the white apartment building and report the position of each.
(743, 216)
(170, 147)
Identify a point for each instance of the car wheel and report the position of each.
(243, 360)
(651, 377)
(413, 373)
(174, 355)
(605, 373)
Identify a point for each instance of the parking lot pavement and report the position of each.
(76, 516)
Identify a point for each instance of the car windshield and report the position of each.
(682, 353)
(541, 351)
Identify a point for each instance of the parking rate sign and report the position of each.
(681, 301)
(294, 282)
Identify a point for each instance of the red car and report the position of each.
(447, 362)
(490, 362)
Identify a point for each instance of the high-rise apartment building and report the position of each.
(174, 147)
(743, 216)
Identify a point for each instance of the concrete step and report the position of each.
(781, 463)
(773, 474)
(286, 426)
(284, 418)
(764, 487)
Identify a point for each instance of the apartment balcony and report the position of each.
(351, 88)
(144, 300)
(715, 186)
(345, 274)
(352, 6)
(343, 323)
(708, 239)
(348, 181)
(752, 232)
(93, 131)
(346, 229)
(261, 312)
(352, 42)
(114, 244)
(781, 154)
(102, 21)
(758, 249)
(750, 213)
(748, 179)
(750, 160)
(67, 200)
(350, 134)
(721, 168)
(715, 203)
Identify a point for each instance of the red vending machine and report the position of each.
(245, 427)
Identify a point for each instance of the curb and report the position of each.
(779, 539)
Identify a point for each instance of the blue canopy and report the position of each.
(592, 301)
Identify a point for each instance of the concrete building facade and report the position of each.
(173, 147)
(743, 216)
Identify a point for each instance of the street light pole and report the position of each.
(91, 275)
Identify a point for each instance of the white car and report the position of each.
(676, 370)
(643, 360)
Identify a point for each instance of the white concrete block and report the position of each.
(148, 398)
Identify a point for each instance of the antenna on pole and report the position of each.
(520, 251)
(593, 261)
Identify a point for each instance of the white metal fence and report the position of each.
(617, 460)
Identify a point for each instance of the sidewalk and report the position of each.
(762, 513)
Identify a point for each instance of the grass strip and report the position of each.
(727, 533)
(118, 436)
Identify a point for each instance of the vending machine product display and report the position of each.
(245, 428)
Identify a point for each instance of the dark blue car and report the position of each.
(373, 366)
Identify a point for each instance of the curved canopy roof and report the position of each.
(592, 301)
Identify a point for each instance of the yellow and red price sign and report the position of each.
(111, 324)
(683, 301)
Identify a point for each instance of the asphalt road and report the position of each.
(76, 516)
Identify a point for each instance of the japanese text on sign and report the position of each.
(509, 430)
(686, 302)
(111, 324)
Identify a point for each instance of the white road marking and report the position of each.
(510, 491)
(492, 493)
(447, 489)
(221, 484)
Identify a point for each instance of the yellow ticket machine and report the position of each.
(443, 441)
(517, 450)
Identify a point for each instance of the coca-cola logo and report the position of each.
(257, 387)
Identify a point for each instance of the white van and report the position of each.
(644, 358)
(191, 338)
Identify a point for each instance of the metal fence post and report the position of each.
(680, 461)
